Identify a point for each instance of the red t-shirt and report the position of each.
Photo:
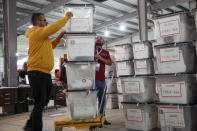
(100, 75)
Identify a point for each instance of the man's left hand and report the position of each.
(98, 57)
(61, 34)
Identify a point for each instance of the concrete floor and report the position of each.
(16, 122)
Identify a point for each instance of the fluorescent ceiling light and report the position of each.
(106, 33)
(122, 27)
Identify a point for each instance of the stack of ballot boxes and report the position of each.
(124, 67)
(175, 69)
(139, 92)
(81, 67)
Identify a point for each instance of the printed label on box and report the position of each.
(169, 26)
(169, 54)
(79, 24)
(141, 64)
(122, 65)
(172, 89)
(132, 87)
(138, 47)
(135, 115)
(172, 117)
(81, 20)
(120, 50)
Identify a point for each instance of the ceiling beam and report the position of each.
(118, 39)
(104, 15)
(113, 17)
(152, 2)
(30, 3)
(117, 20)
(115, 33)
(126, 3)
(169, 10)
(131, 29)
(105, 6)
(23, 10)
(98, 21)
(44, 10)
(128, 16)
(132, 23)
(118, 31)
(166, 4)
(182, 8)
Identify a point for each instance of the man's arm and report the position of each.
(106, 61)
(54, 27)
(56, 40)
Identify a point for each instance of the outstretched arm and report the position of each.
(56, 40)
(54, 27)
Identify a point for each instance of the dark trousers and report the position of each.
(100, 85)
(41, 85)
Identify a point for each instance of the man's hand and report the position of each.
(98, 57)
(69, 14)
(106, 61)
(61, 34)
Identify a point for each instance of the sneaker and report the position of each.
(107, 122)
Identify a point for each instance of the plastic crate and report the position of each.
(80, 47)
(142, 50)
(138, 89)
(142, 117)
(81, 75)
(123, 52)
(124, 68)
(82, 104)
(174, 59)
(177, 117)
(174, 28)
(144, 67)
(82, 20)
(180, 89)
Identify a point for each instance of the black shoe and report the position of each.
(27, 128)
(107, 122)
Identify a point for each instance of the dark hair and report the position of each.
(34, 17)
(56, 70)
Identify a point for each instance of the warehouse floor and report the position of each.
(16, 122)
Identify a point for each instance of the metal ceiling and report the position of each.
(109, 15)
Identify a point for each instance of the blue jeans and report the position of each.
(100, 86)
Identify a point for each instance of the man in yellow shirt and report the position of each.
(40, 63)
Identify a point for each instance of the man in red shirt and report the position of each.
(103, 57)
